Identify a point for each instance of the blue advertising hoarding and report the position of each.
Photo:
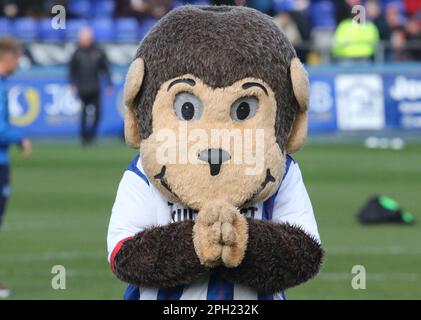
(403, 101)
(322, 111)
(41, 103)
(363, 97)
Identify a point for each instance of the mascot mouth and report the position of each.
(269, 178)
(161, 177)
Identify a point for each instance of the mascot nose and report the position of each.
(215, 157)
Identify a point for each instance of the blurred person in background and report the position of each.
(413, 30)
(284, 21)
(9, 8)
(10, 52)
(355, 40)
(292, 16)
(375, 14)
(395, 16)
(87, 66)
(398, 44)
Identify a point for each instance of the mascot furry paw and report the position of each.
(214, 206)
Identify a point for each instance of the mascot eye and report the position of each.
(244, 108)
(187, 106)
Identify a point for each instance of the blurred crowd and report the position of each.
(319, 29)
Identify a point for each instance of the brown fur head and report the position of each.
(227, 54)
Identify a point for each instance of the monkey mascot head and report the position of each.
(216, 98)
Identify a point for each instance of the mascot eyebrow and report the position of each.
(248, 85)
(184, 80)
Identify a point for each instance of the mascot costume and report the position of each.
(197, 218)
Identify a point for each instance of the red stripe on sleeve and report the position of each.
(116, 250)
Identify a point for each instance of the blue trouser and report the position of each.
(4, 189)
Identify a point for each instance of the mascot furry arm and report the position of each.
(165, 257)
(162, 257)
(221, 239)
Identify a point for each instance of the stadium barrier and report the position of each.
(363, 97)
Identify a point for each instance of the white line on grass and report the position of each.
(53, 256)
(379, 250)
(371, 276)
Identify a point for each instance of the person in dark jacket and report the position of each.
(88, 64)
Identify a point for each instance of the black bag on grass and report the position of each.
(381, 209)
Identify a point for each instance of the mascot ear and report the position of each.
(301, 88)
(132, 86)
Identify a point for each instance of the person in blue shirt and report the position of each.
(10, 52)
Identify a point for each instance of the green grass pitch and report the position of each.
(62, 197)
